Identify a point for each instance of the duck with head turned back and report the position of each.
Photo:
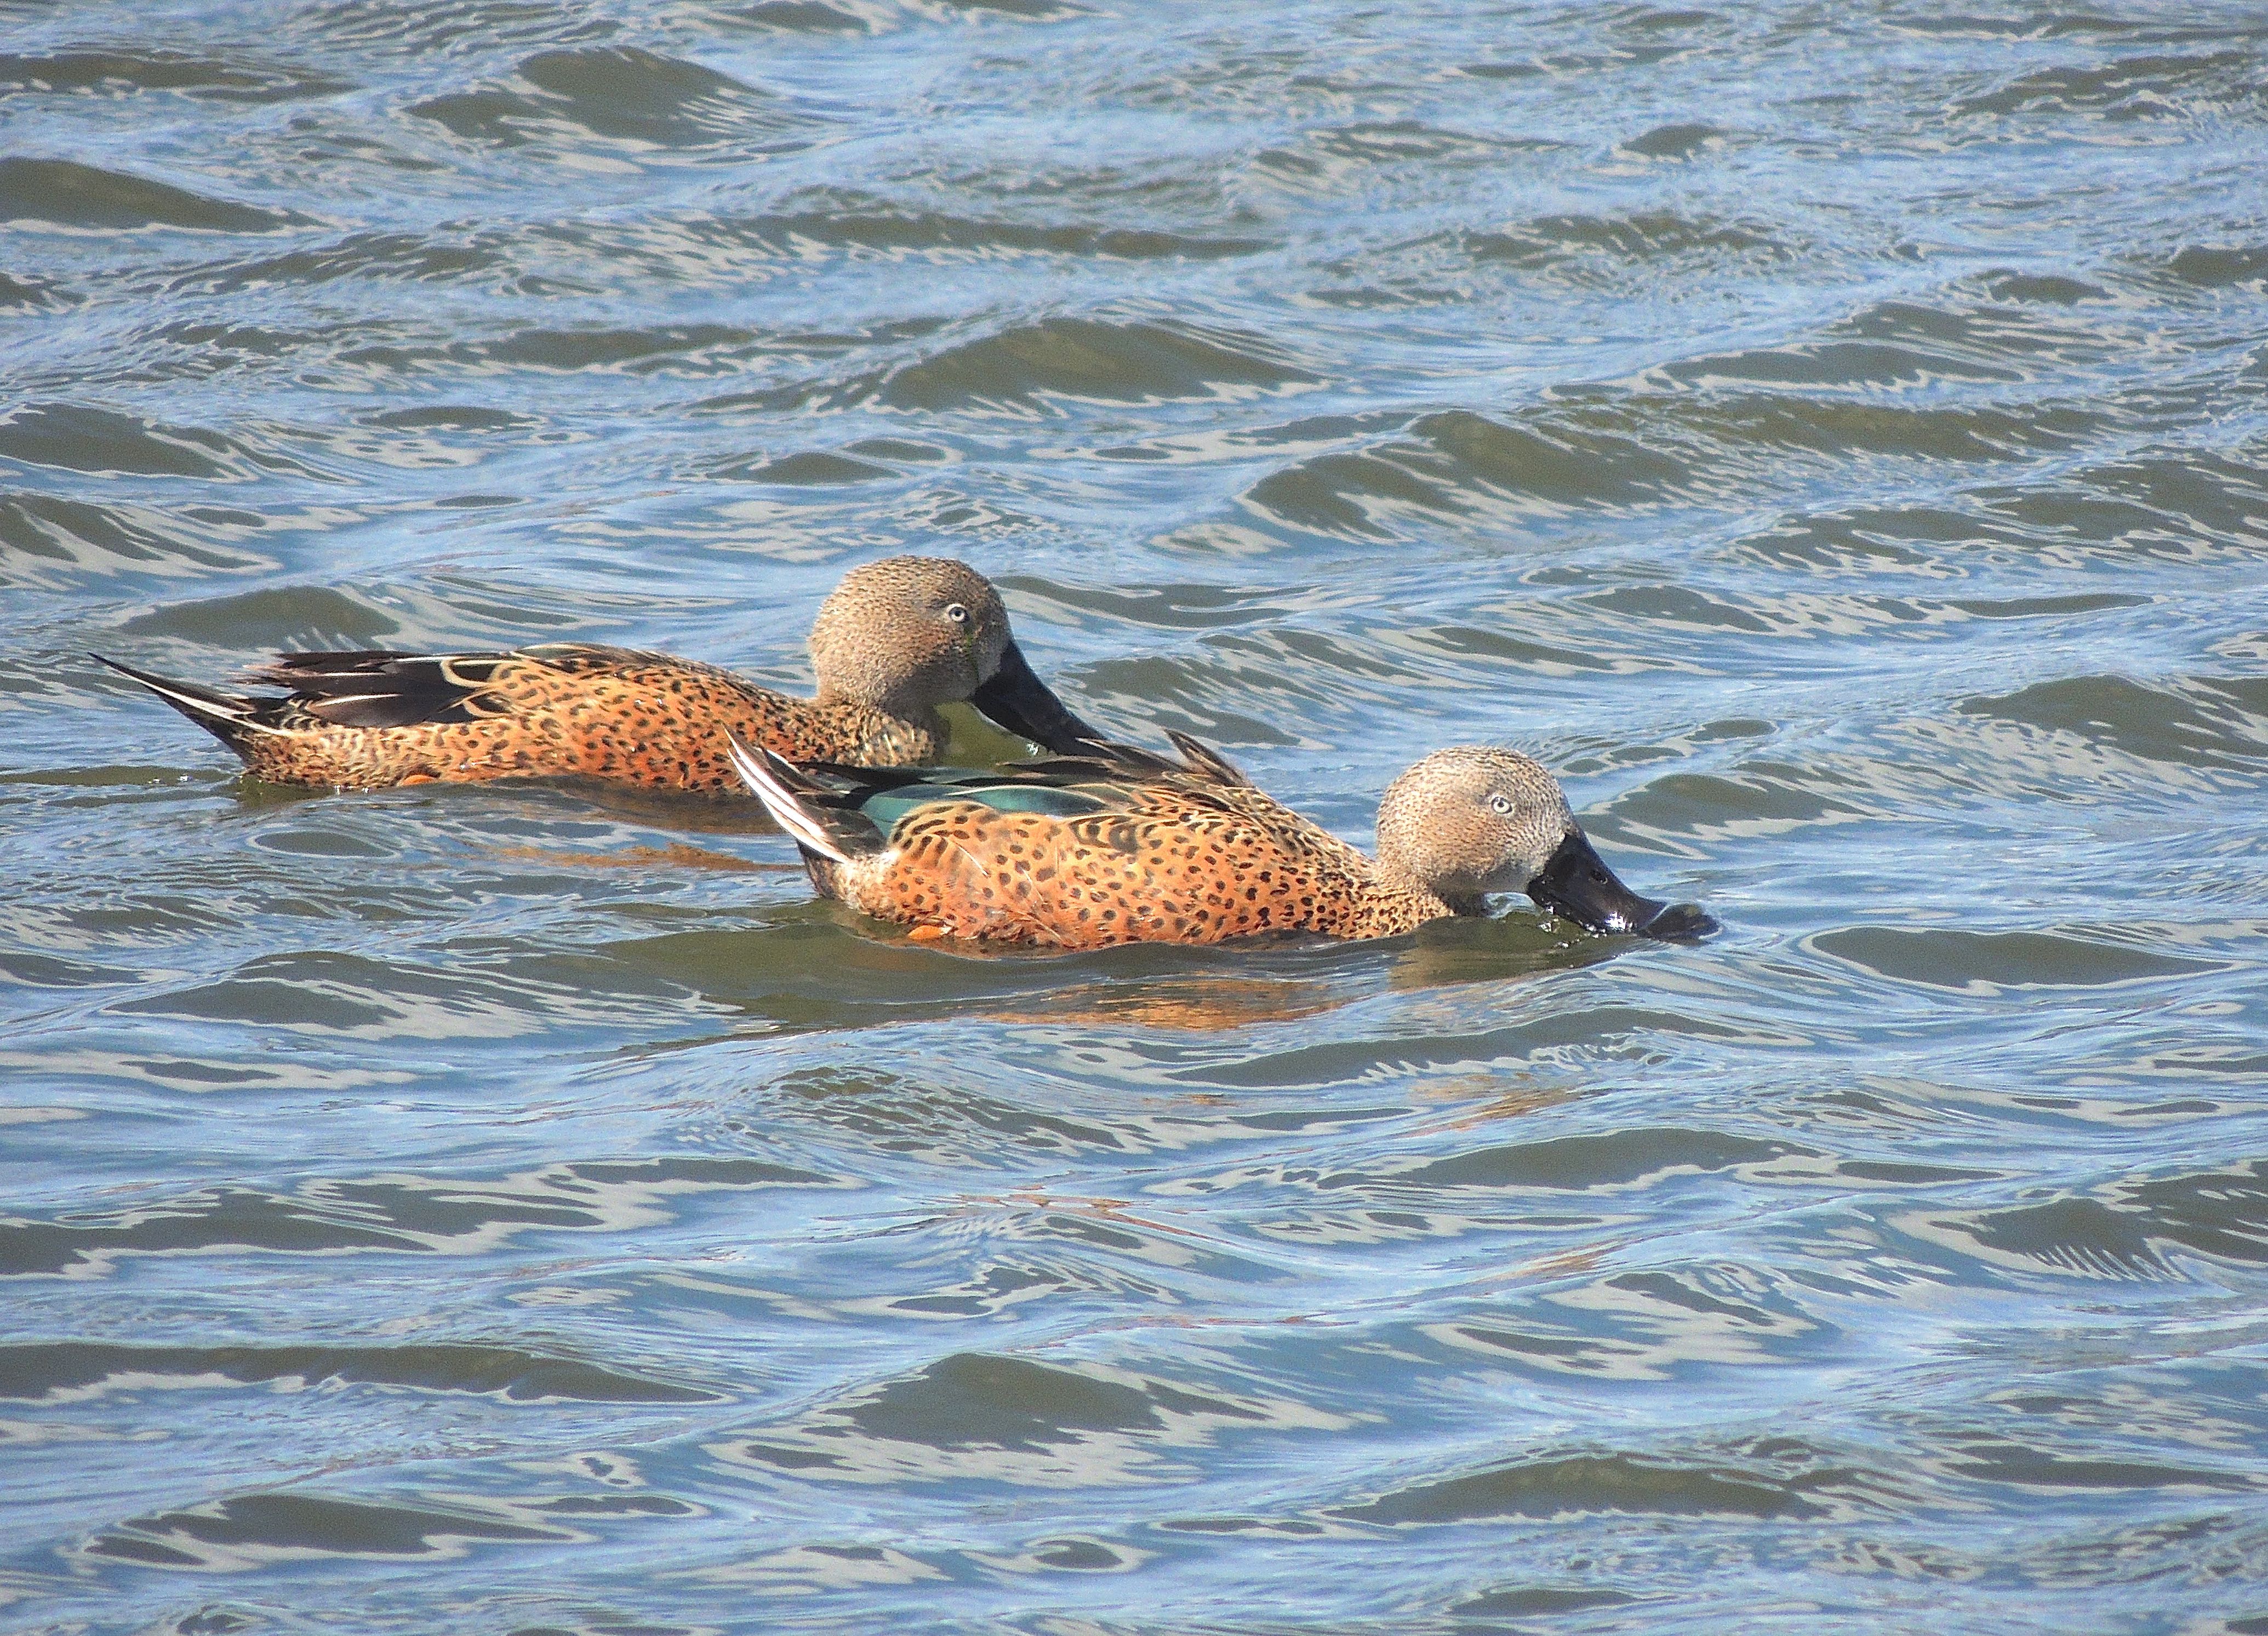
(1118, 846)
(896, 640)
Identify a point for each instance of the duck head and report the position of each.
(908, 634)
(1472, 820)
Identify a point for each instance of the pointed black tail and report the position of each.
(228, 717)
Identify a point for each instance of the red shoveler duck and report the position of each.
(1118, 846)
(896, 640)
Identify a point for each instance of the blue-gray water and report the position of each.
(1831, 436)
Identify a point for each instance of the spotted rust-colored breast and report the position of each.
(634, 719)
(1178, 865)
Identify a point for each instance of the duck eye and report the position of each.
(956, 613)
(1500, 805)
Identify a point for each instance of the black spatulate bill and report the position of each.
(1576, 883)
(1017, 700)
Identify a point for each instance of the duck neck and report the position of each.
(1393, 880)
(881, 736)
(902, 704)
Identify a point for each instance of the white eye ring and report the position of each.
(956, 613)
(1500, 805)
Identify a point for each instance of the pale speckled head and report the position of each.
(907, 634)
(1472, 820)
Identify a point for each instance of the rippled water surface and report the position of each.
(1830, 436)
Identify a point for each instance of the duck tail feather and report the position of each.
(228, 717)
(783, 790)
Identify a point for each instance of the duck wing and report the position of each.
(383, 688)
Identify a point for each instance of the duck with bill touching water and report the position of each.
(1115, 845)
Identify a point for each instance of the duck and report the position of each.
(1114, 844)
(894, 640)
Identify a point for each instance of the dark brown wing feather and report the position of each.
(1108, 758)
(382, 688)
(1208, 763)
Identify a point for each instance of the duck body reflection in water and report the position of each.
(1116, 845)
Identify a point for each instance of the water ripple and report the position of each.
(1832, 442)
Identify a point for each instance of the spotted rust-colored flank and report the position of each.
(1140, 851)
(1174, 865)
(896, 640)
(629, 717)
